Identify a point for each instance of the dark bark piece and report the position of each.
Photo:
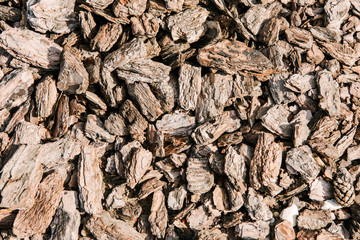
(199, 177)
(4, 115)
(215, 91)
(146, 25)
(269, 33)
(344, 191)
(233, 56)
(115, 124)
(158, 217)
(210, 131)
(62, 117)
(103, 227)
(87, 24)
(10, 13)
(31, 47)
(149, 104)
(92, 62)
(131, 7)
(46, 96)
(299, 37)
(95, 130)
(73, 77)
(190, 82)
(175, 54)
(188, 25)
(137, 166)
(150, 186)
(135, 121)
(20, 178)
(14, 88)
(55, 16)
(106, 37)
(314, 219)
(230, 139)
(171, 173)
(17, 117)
(276, 121)
(265, 165)
(66, 222)
(144, 70)
(301, 160)
(329, 93)
(90, 181)
(278, 89)
(36, 219)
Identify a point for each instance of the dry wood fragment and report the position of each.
(145, 25)
(270, 31)
(203, 217)
(36, 219)
(176, 198)
(300, 159)
(10, 13)
(66, 222)
(314, 219)
(115, 124)
(212, 234)
(329, 93)
(103, 227)
(233, 56)
(96, 101)
(276, 121)
(73, 77)
(176, 124)
(132, 7)
(95, 130)
(20, 178)
(320, 190)
(215, 91)
(189, 86)
(92, 63)
(265, 165)
(99, 4)
(31, 47)
(62, 117)
(87, 24)
(150, 186)
(14, 88)
(342, 52)
(137, 165)
(257, 208)
(284, 230)
(336, 12)
(235, 169)
(48, 15)
(46, 96)
(188, 25)
(118, 197)
(344, 191)
(106, 37)
(90, 181)
(158, 217)
(259, 229)
(28, 133)
(299, 37)
(199, 177)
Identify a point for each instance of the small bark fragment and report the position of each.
(235, 169)
(158, 217)
(314, 219)
(95, 130)
(106, 37)
(284, 231)
(257, 208)
(276, 121)
(46, 96)
(329, 93)
(257, 230)
(189, 86)
(176, 198)
(199, 177)
(146, 25)
(299, 37)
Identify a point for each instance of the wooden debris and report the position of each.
(235, 169)
(46, 96)
(284, 230)
(329, 93)
(137, 165)
(314, 219)
(176, 198)
(158, 217)
(55, 16)
(259, 229)
(31, 47)
(106, 37)
(150, 186)
(276, 121)
(199, 177)
(257, 208)
(190, 82)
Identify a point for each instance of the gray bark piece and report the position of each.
(95, 130)
(300, 83)
(116, 125)
(150, 186)
(99, 3)
(275, 120)
(144, 70)
(46, 96)
(199, 177)
(210, 131)
(104, 227)
(90, 181)
(245, 85)
(137, 166)
(235, 169)
(252, 230)
(189, 86)
(233, 56)
(176, 198)
(257, 208)
(278, 89)
(20, 178)
(301, 160)
(188, 25)
(215, 91)
(73, 77)
(329, 93)
(118, 197)
(66, 221)
(336, 12)
(14, 88)
(176, 124)
(158, 217)
(258, 14)
(31, 47)
(314, 219)
(52, 15)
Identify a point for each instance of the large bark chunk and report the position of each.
(199, 177)
(31, 47)
(235, 169)
(233, 56)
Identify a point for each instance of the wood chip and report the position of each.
(158, 217)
